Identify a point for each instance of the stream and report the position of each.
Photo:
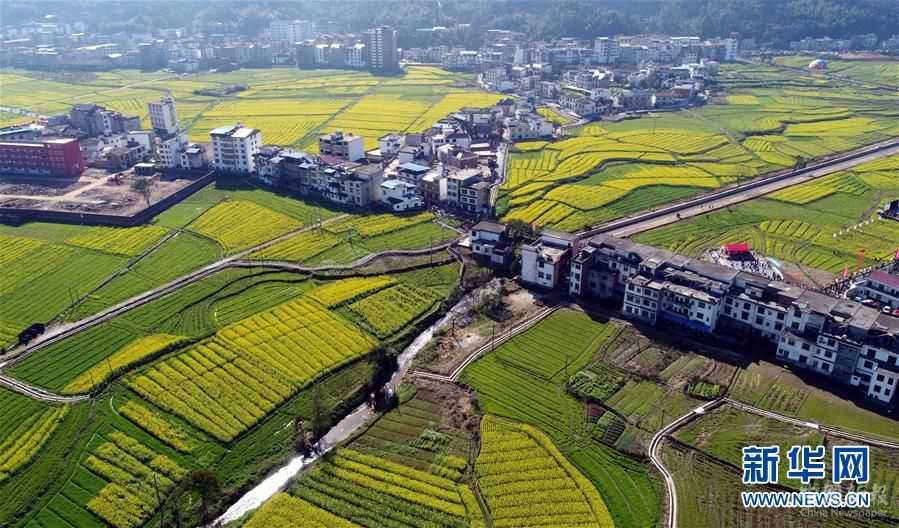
(278, 480)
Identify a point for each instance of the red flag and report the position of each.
(845, 272)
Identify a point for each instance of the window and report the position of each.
(867, 364)
(805, 346)
(880, 377)
(758, 320)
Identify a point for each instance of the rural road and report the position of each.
(486, 347)
(655, 445)
(708, 202)
(37, 393)
(68, 330)
(657, 441)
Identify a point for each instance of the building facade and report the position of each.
(52, 157)
(345, 146)
(380, 49)
(234, 148)
(842, 340)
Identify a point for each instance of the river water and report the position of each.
(278, 480)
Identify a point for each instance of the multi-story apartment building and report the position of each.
(95, 120)
(882, 287)
(341, 145)
(380, 46)
(289, 32)
(171, 141)
(234, 148)
(50, 157)
(475, 197)
(606, 50)
(163, 116)
(351, 184)
(841, 339)
(543, 262)
(458, 180)
(345, 183)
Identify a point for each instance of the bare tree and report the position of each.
(143, 187)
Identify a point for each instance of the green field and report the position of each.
(80, 276)
(821, 224)
(875, 71)
(524, 380)
(289, 106)
(770, 119)
(222, 396)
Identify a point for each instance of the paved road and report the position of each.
(722, 198)
(36, 392)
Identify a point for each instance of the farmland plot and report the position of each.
(241, 224)
(128, 355)
(25, 427)
(391, 309)
(772, 120)
(227, 383)
(520, 388)
(374, 492)
(527, 481)
(821, 223)
(285, 511)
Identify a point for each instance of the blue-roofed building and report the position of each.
(412, 172)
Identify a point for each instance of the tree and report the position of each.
(520, 231)
(143, 187)
(206, 484)
(319, 418)
(490, 299)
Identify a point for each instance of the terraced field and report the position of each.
(527, 481)
(821, 224)
(525, 380)
(223, 396)
(770, 119)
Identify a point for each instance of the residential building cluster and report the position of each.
(59, 46)
(863, 42)
(452, 164)
(100, 138)
(843, 340)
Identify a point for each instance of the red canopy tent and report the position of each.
(738, 249)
